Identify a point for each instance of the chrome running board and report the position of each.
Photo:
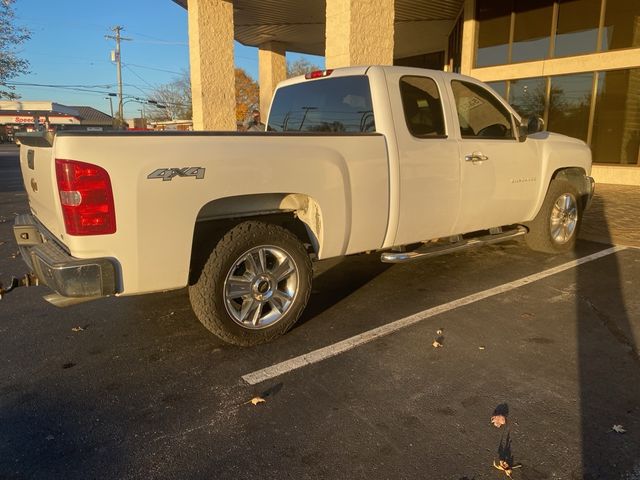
(427, 250)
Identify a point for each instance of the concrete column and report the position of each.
(359, 32)
(469, 34)
(272, 69)
(212, 68)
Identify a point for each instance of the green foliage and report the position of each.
(11, 36)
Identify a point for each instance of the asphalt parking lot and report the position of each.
(135, 388)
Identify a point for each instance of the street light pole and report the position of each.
(110, 105)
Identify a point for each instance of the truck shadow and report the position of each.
(55, 436)
(608, 364)
(336, 279)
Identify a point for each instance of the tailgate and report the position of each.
(38, 173)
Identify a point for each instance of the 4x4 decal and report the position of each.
(167, 174)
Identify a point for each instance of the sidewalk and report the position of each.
(613, 216)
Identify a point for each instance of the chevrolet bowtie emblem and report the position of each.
(34, 185)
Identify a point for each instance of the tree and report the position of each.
(247, 94)
(300, 66)
(11, 36)
(176, 97)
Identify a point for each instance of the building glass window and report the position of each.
(527, 96)
(480, 114)
(500, 88)
(454, 52)
(569, 104)
(621, 25)
(577, 31)
(616, 125)
(341, 104)
(422, 107)
(494, 24)
(531, 37)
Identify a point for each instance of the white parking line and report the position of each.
(316, 356)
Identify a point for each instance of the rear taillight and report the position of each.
(86, 198)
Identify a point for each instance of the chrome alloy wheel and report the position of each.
(260, 287)
(564, 218)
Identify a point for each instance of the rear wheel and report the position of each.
(254, 286)
(555, 228)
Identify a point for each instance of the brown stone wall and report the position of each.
(212, 65)
(359, 32)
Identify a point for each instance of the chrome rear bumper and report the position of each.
(67, 275)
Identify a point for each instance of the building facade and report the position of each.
(27, 116)
(575, 63)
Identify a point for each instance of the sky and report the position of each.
(68, 48)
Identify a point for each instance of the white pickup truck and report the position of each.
(405, 161)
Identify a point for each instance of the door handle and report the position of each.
(476, 157)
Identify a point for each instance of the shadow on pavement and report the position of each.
(45, 436)
(608, 369)
(337, 279)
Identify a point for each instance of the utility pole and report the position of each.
(116, 58)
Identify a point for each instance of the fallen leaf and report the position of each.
(498, 420)
(527, 315)
(618, 429)
(439, 331)
(77, 329)
(481, 347)
(257, 400)
(505, 467)
(436, 344)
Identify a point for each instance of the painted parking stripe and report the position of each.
(316, 356)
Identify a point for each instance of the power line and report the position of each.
(70, 88)
(153, 68)
(152, 88)
(162, 42)
(101, 85)
(156, 38)
(135, 73)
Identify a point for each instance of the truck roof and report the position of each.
(363, 69)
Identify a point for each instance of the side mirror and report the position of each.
(530, 125)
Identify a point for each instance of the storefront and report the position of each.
(29, 116)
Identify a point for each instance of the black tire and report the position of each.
(230, 261)
(555, 229)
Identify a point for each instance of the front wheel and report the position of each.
(555, 228)
(254, 286)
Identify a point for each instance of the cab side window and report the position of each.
(480, 114)
(422, 107)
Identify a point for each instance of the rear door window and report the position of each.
(341, 105)
(422, 106)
